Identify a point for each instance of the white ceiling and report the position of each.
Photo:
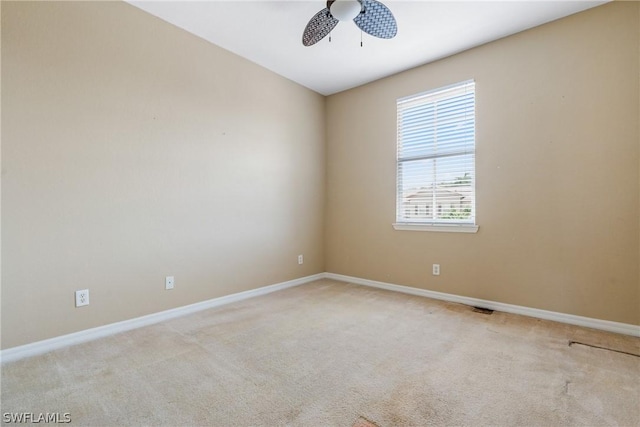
(269, 33)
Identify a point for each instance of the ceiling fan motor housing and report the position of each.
(345, 10)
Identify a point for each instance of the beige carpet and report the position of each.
(334, 354)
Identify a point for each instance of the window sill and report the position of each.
(447, 228)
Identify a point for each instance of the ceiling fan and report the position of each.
(370, 16)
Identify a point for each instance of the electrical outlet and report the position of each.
(168, 282)
(300, 259)
(82, 297)
(436, 269)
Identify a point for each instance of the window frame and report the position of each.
(404, 224)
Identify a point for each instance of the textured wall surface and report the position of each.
(557, 159)
(133, 150)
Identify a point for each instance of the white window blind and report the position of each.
(436, 156)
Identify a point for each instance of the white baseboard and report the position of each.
(40, 347)
(605, 325)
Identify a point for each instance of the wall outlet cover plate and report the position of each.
(82, 298)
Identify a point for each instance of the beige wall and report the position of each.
(557, 173)
(133, 150)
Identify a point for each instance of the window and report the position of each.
(436, 160)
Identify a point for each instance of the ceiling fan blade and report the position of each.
(377, 20)
(318, 27)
